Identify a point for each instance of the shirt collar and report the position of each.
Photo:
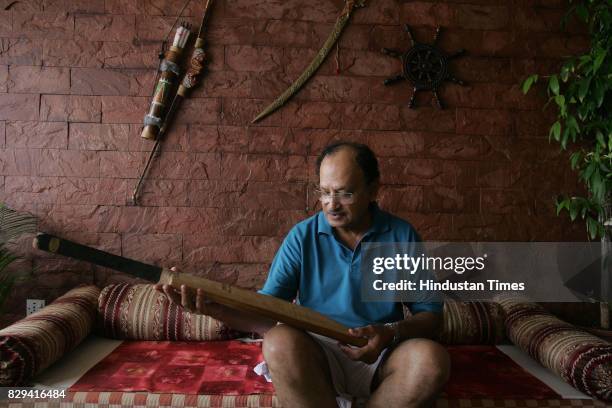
(380, 221)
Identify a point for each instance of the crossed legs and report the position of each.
(412, 376)
(299, 368)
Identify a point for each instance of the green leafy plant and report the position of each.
(12, 225)
(582, 95)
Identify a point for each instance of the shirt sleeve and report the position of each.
(428, 301)
(284, 275)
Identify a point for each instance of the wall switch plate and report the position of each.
(34, 305)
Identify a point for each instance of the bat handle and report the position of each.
(167, 277)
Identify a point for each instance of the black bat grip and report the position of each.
(56, 245)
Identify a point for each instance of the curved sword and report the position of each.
(316, 62)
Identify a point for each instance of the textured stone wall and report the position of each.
(76, 78)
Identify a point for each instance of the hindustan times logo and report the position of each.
(412, 264)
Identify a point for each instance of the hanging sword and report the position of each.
(316, 62)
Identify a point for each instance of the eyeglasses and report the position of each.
(343, 197)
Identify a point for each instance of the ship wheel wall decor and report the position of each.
(425, 66)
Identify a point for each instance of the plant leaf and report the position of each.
(574, 159)
(555, 130)
(565, 70)
(14, 223)
(553, 84)
(600, 139)
(599, 93)
(572, 123)
(583, 89)
(573, 210)
(582, 12)
(588, 171)
(531, 79)
(600, 55)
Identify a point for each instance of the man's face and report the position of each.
(340, 173)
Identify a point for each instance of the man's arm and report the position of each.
(421, 325)
(282, 282)
(195, 302)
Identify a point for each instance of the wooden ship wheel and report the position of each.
(425, 66)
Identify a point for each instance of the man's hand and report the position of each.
(195, 301)
(379, 337)
(191, 299)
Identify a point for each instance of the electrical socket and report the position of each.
(34, 305)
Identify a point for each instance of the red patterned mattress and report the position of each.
(220, 374)
(215, 367)
(226, 368)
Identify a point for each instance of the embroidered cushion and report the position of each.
(473, 323)
(32, 344)
(578, 357)
(139, 312)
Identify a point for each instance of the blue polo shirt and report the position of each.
(324, 275)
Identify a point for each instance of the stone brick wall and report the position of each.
(76, 78)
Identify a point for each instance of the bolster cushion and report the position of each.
(472, 323)
(32, 344)
(139, 312)
(578, 357)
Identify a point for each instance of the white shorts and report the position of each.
(351, 378)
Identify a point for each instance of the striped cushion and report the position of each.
(35, 342)
(579, 358)
(605, 334)
(139, 312)
(474, 323)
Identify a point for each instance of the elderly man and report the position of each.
(319, 265)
